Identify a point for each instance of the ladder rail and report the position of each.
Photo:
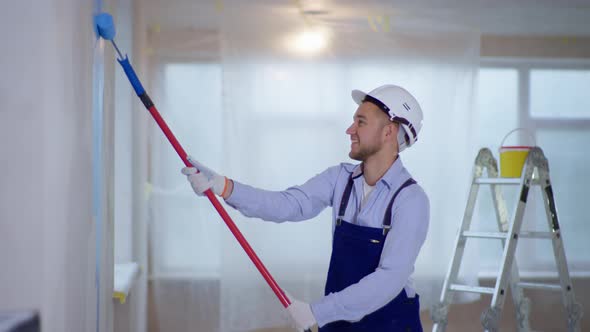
(511, 242)
(490, 318)
(439, 312)
(460, 241)
(483, 159)
(521, 303)
(573, 309)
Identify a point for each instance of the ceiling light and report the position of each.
(308, 42)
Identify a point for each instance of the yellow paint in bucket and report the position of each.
(512, 158)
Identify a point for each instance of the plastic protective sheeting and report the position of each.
(265, 115)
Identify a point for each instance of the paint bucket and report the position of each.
(513, 157)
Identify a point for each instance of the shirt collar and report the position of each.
(394, 174)
(392, 177)
(357, 171)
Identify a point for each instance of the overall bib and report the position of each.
(356, 251)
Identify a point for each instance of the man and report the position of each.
(380, 219)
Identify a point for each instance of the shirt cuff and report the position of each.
(325, 310)
(235, 195)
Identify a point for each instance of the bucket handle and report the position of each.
(528, 132)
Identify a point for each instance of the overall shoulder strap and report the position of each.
(387, 217)
(344, 200)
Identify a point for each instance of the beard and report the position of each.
(363, 152)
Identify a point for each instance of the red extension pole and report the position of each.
(226, 218)
(149, 105)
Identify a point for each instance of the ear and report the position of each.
(390, 129)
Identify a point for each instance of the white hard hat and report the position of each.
(400, 106)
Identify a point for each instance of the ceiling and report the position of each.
(495, 17)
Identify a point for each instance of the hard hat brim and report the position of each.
(358, 96)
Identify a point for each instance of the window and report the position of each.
(184, 235)
(548, 98)
(560, 93)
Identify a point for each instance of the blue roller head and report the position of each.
(105, 27)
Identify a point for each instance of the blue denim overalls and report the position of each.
(356, 251)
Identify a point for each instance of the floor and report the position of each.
(547, 313)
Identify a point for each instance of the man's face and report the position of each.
(367, 132)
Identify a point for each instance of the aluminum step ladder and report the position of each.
(535, 172)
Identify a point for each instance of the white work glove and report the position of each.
(205, 179)
(301, 315)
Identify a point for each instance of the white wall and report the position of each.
(130, 124)
(47, 241)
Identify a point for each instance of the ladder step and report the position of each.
(502, 235)
(510, 181)
(485, 235)
(503, 181)
(472, 289)
(538, 285)
(537, 235)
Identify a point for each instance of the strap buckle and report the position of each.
(339, 220)
(386, 229)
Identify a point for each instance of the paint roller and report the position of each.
(105, 28)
